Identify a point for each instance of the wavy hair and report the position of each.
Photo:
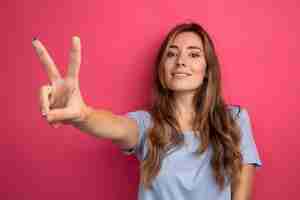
(213, 123)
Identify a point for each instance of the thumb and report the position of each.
(58, 115)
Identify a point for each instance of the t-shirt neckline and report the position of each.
(189, 132)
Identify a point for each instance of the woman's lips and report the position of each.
(179, 75)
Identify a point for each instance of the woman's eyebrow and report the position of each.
(194, 47)
(189, 47)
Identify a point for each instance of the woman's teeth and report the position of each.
(180, 75)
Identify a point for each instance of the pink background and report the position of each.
(257, 42)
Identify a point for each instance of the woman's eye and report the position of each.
(170, 54)
(194, 55)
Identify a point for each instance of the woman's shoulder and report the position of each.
(140, 113)
(143, 116)
(235, 110)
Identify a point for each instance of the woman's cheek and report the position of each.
(170, 62)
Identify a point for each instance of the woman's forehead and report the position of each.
(187, 39)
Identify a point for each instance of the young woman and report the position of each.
(190, 143)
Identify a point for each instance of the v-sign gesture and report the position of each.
(61, 102)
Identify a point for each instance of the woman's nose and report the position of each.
(180, 61)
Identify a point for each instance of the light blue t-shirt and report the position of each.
(186, 176)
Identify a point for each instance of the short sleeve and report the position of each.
(143, 119)
(248, 147)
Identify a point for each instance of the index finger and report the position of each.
(46, 60)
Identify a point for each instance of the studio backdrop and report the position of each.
(258, 45)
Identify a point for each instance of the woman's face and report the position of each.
(185, 55)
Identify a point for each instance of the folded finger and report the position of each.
(60, 115)
(45, 91)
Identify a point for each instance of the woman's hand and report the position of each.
(61, 102)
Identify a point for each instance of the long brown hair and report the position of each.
(213, 121)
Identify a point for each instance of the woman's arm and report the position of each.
(242, 189)
(105, 124)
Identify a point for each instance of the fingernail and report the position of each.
(44, 112)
